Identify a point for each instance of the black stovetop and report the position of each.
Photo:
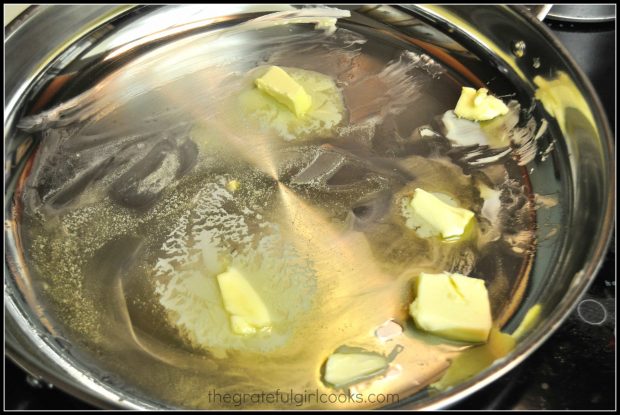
(574, 369)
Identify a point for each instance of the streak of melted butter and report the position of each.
(557, 95)
(475, 360)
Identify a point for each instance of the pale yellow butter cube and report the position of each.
(448, 220)
(344, 369)
(248, 312)
(479, 105)
(452, 306)
(279, 85)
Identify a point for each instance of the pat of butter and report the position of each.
(479, 105)
(248, 313)
(343, 369)
(279, 85)
(448, 220)
(233, 185)
(452, 306)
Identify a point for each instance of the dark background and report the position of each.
(574, 369)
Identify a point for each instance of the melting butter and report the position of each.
(558, 95)
(248, 313)
(325, 111)
(279, 85)
(453, 306)
(529, 321)
(433, 216)
(347, 368)
(479, 105)
(473, 361)
(233, 185)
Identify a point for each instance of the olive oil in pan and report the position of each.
(132, 213)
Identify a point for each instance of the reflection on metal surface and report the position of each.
(540, 11)
(323, 18)
(472, 32)
(583, 13)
